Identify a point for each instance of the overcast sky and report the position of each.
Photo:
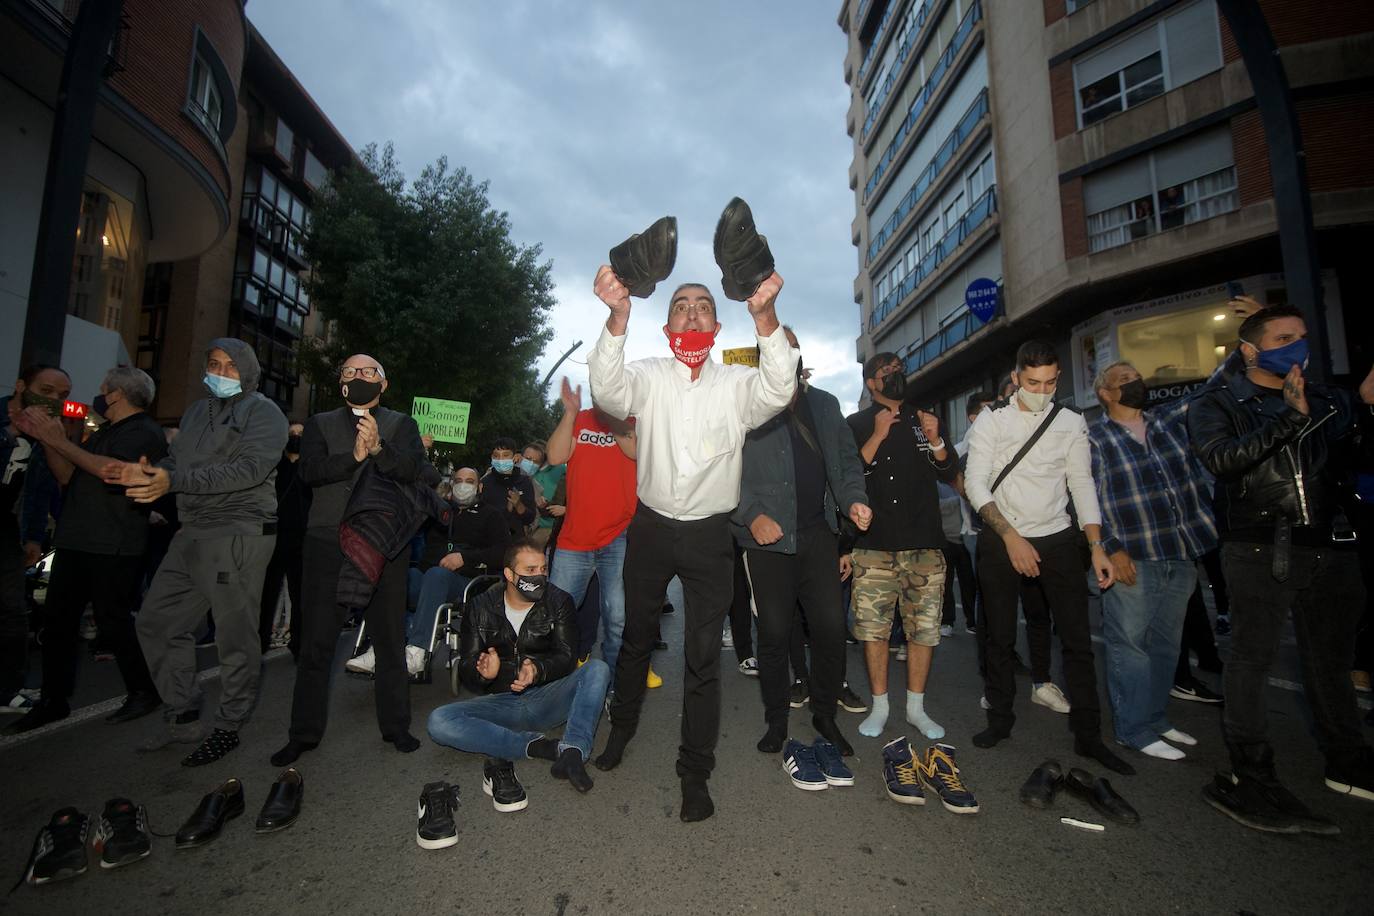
(592, 119)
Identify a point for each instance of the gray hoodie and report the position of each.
(223, 463)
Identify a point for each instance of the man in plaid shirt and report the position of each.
(1156, 521)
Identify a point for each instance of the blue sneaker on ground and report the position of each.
(940, 774)
(799, 762)
(899, 771)
(832, 764)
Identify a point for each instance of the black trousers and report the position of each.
(111, 586)
(781, 582)
(324, 618)
(701, 554)
(741, 612)
(1197, 637)
(14, 609)
(1063, 589)
(959, 563)
(285, 565)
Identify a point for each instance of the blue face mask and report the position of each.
(528, 466)
(222, 387)
(502, 465)
(1281, 359)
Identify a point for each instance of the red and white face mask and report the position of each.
(691, 347)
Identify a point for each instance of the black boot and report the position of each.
(647, 257)
(741, 253)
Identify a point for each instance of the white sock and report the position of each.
(916, 715)
(873, 726)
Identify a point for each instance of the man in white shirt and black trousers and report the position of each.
(692, 415)
(1028, 534)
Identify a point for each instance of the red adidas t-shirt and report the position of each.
(600, 487)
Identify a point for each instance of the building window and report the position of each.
(1168, 52)
(285, 142)
(1185, 182)
(205, 99)
(314, 171)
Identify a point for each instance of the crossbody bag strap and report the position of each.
(1030, 443)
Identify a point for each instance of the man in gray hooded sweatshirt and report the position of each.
(222, 467)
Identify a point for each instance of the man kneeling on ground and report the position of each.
(516, 648)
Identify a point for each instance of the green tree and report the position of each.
(425, 277)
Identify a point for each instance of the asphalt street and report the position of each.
(621, 849)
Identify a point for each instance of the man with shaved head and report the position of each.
(335, 448)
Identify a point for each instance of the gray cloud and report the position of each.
(592, 119)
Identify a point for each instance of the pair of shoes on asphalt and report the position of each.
(815, 766)
(366, 663)
(1045, 782)
(645, 259)
(909, 776)
(279, 811)
(41, 712)
(1194, 691)
(59, 850)
(1047, 694)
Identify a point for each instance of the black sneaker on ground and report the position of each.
(436, 827)
(1353, 775)
(1243, 801)
(1194, 691)
(800, 694)
(43, 713)
(121, 837)
(850, 701)
(59, 850)
(498, 781)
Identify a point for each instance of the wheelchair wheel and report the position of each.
(453, 683)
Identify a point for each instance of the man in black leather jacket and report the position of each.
(516, 647)
(1281, 451)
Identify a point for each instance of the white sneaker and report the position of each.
(1179, 737)
(727, 640)
(946, 630)
(415, 660)
(23, 701)
(983, 702)
(901, 652)
(1162, 751)
(749, 667)
(363, 664)
(1047, 694)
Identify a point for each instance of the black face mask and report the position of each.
(51, 405)
(293, 444)
(531, 588)
(1134, 394)
(360, 391)
(894, 386)
(101, 406)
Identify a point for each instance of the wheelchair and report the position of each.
(447, 620)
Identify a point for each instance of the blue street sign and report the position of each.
(981, 298)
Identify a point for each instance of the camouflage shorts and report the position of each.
(911, 580)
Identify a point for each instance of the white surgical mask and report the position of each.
(465, 493)
(1035, 402)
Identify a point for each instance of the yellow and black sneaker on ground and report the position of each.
(939, 773)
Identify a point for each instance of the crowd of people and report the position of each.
(723, 492)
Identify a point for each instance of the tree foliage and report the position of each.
(424, 277)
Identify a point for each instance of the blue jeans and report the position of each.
(437, 586)
(502, 725)
(1142, 625)
(573, 569)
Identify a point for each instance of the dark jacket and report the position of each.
(767, 484)
(478, 532)
(223, 462)
(379, 522)
(1270, 461)
(495, 488)
(328, 467)
(293, 499)
(547, 639)
(31, 491)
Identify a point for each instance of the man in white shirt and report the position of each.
(1028, 535)
(692, 415)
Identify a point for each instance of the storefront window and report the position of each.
(106, 245)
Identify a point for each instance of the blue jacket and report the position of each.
(768, 484)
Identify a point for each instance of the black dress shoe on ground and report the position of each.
(647, 257)
(135, 706)
(1091, 746)
(1043, 785)
(741, 253)
(223, 804)
(283, 803)
(1100, 794)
